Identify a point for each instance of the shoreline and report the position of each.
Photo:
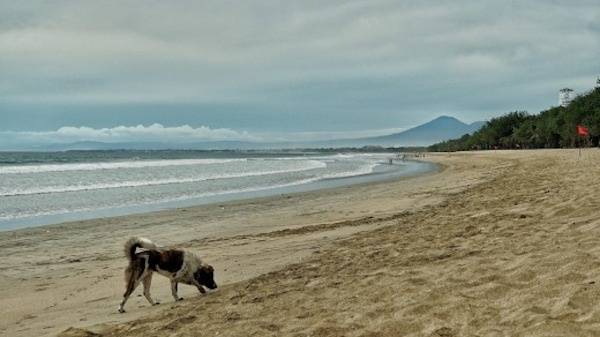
(70, 274)
(412, 168)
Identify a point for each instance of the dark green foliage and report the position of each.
(552, 128)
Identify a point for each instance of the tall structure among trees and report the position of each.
(565, 96)
(552, 128)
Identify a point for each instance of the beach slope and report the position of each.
(498, 244)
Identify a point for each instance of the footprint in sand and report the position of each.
(98, 299)
(537, 310)
(585, 299)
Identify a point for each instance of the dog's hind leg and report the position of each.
(174, 290)
(133, 276)
(147, 279)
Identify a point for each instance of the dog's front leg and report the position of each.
(174, 291)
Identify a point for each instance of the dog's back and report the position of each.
(166, 261)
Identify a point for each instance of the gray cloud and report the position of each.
(373, 64)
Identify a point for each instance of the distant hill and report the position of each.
(437, 130)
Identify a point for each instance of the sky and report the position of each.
(282, 70)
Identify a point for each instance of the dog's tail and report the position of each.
(132, 244)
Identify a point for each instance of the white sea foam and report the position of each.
(15, 169)
(48, 201)
(165, 200)
(365, 169)
(307, 165)
(153, 202)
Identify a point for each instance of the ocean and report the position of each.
(45, 188)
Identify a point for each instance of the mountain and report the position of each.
(437, 130)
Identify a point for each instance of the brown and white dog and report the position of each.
(179, 266)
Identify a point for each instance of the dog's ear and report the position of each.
(206, 270)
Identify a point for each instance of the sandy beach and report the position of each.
(493, 244)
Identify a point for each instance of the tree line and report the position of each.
(552, 128)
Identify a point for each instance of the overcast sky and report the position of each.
(265, 69)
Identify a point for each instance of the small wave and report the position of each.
(310, 165)
(4, 217)
(110, 165)
(367, 169)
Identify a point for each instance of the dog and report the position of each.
(179, 266)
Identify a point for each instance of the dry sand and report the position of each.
(497, 244)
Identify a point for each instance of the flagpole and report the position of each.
(582, 131)
(579, 148)
(578, 144)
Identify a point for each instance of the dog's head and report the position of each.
(205, 276)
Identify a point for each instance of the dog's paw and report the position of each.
(121, 310)
(179, 299)
(156, 303)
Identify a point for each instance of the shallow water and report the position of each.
(35, 192)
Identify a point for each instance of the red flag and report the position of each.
(582, 131)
